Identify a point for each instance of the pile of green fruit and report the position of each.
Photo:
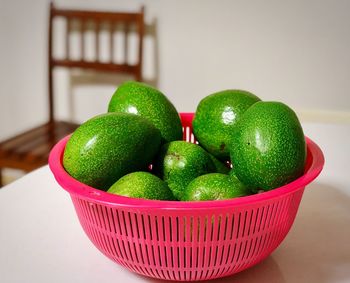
(136, 150)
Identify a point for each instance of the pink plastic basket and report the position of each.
(186, 241)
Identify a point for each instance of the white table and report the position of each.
(41, 239)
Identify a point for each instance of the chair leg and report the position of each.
(1, 184)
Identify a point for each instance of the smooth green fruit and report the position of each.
(179, 162)
(142, 185)
(214, 186)
(146, 101)
(268, 146)
(108, 146)
(216, 116)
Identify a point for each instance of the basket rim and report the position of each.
(314, 165)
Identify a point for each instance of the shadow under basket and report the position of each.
(186, 241)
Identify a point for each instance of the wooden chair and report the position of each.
(30, 150)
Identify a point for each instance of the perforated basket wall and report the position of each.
(187, 241)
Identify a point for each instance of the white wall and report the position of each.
(293, 51)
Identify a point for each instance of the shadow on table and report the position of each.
(317, 248)
(265, 272)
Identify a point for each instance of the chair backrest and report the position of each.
(129, 21)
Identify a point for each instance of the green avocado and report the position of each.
(232, 172)
(268, 146)
(146, 101)
(179, 162)
(216, 116)
(142, 185)
(219, 166)
(108, 146)
(214, 186)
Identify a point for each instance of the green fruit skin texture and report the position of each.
(248, 190)
(220, 167)
(108, 146)
(269, 146)
(179, 162)
(232, 173)
(216, 116)
(142, 185)
(214, 186)
(146, 101)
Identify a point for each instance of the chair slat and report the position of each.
(126, 43)
(111, 41)
(41, 151)
(23, 138)
(107, 67)
(97, 41)
(100, 15)
(82, 41)
(37, 152)
(47, 133)
(22, 164)
(51, 137)
(68, 29)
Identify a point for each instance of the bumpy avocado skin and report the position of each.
(142, 185)
(232, 172)
(108, 146)
(216, 116)
(220, 167)
(269, 147)
(146, 101)
(179, 162)
(214, 186)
